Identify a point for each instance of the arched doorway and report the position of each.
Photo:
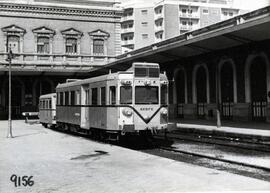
(201, 91)
(227, 90)
(180, 81)
(258, 88)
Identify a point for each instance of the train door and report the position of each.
(84, 108)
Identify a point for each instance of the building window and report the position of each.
(205, 11)
(144, 36)
(230, 14)
(98, 47)
(144, 12)
(43, 39)
(43, 45)
(14, 43)
(184, 23)
(72, 39)
(99, 42)
(14, 38)
(144, 24)
(71, 46)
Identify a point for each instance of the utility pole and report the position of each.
(9, 59)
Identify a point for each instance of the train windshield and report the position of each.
(164, 93)
(125, 94)
(146, 95)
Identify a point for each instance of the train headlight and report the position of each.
(127, 112)
(163, 111)
(126, 82)
(147, 82)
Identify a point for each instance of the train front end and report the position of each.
(143, 99)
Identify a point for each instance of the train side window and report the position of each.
(61, 98)
(78, 97)
(87, 97)
(164, 93)
(103, 95)
(66, 98)
(94, 96)
(112, 95)
(50, 104)
(46, 104)
(72, 98)
(57, 98)
(125, 94)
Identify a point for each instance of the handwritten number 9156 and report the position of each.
(24, 180)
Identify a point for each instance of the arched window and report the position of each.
(98, 47)
(43, 45)
(71, 46)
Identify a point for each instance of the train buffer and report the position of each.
(29, 114)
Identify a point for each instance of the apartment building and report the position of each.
(170, 18)
(137, 26)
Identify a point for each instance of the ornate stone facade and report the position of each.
(52, 42)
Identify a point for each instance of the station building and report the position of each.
(53, 40)
(223, 66)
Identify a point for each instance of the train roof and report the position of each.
(110, 76)
(47, 95)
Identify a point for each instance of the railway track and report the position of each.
(215, 158)
(228, 142)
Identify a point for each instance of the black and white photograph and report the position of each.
(134, 96)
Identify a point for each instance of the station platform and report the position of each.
(62, 163)
(256, 131)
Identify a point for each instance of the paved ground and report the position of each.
(251, 129)
(62, 163)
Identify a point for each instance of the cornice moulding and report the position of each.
(56, 10)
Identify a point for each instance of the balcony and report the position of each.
(53, 62)
(159, 16)
(188, 15)
(159, 28)
(127, 30)
(127, 18)
(127, 42)
(186, 28)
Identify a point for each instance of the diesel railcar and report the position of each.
(117, 104)
(47, 110)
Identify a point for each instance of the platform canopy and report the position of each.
(248, 28)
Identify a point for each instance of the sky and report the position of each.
(251, 4)
(242, 4)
